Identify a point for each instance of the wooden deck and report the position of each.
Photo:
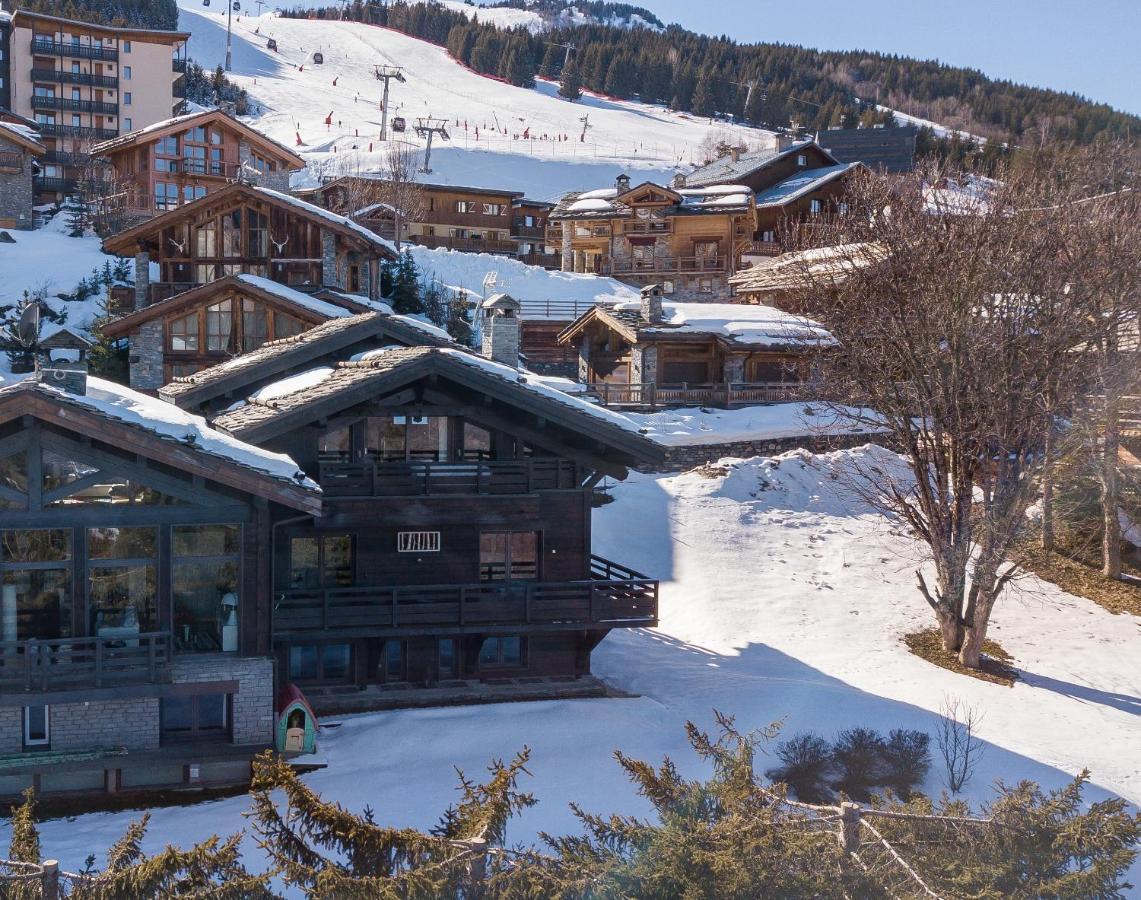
(615, 597)
(728, 394)
(413, 478)
(67, 663)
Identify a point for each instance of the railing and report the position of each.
(563, 309)
(413, 478)
(763, 248)
(641, 226)
(528, 231)
(61, 663)
(470, 245)
(48, 183)
(219, 168)
(614, 597)
(80, 131)
(62, 76)
(665, 265)
(546, 260)
(63, 48)
(178, 65)
(40, 101)
(62, 158)
(652, 396)
(585, 231)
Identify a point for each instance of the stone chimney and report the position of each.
(501, 325)
(652, 303)
(735, 154)
(622, 182)
(780, 142)
(67, 375)
(678, 181)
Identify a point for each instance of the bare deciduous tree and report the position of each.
(959, 745)
(957, 324)
(397, 189)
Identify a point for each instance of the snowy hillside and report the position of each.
(486, 119)
(782, 598)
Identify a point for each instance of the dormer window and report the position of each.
(801, 159)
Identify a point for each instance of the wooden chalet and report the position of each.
(794, 182)
(135, 561)
(529, 231)
(453, 547)
(779, 281)
(661, 352)
(689, 240)
(172, 162)
(214, 322)
(20, 152)
(252, 230)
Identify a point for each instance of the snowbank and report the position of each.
(691, 426)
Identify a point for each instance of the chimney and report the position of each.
(735, 153)
(69, 376)
(622, 182)
(501, 329)
(652, 303)
(678, 181)
(782, 142)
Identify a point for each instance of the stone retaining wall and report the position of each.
(689, 457)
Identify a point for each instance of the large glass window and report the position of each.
(504, 651)
(122, 582)
(286, 326)
(219, 323)
(232, 233)
(407, 437)
(316, 562)
(206, 240)
(255, 325)
(35, 584)
(194, 718)
(508, 555)
(183, 332)
(320, 662)
(392, 661)
(258, 226)
(205, 588)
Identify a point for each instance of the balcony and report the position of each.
(49, 183)
(61, 158)
(665, 265)
(546, 260)
(613, 597)
(217, 168)
(642, 226)
(529, 232)
(724, 394)
(763, 248)
(58, 664)
(469, 245)
(80, 51)
(39, 101)
(178, 65)
(414, 478)
(61, 76)
(77, 131)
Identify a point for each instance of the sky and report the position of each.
(1089, 46)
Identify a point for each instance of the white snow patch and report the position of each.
(294, 384)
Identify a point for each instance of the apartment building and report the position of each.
(84, 83)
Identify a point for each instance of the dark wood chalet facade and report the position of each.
(135, 561)
(453, 547)
(252, 230)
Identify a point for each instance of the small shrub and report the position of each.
(858, 756)
(906, 759)
(807, 761)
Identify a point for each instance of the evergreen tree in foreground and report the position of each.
(570, 85)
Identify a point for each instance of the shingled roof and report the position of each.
(609, 203)
(728, 169)
(790, 271)
(235, 376)
(283, 407)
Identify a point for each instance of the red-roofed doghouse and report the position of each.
(296, 723)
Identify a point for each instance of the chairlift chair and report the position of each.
(237, 6)
(205, 2)
(398, 124)
(318, 58)
(271, 44)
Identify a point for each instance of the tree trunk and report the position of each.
(1110, 489)
(1048, 492)
(970, 654)
(952, 631)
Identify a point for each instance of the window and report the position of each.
(126, 98)
(195, 717)
(122, 583)
(166, 193)
(465, 206)
(316, 562)
(501, 652)
(77, 120)
(286, 326)
(192, 192)
(508, 555)
(206, 241)
(37, 726)
(768, 237)
(35, 583)
(126, 73)
(705, 252)
(232, 233)
(255, 325)
(183, 333)
(705, 285)
(392, 662)
(168, 146)
(257, 227)
(447, 657)
(801, 159)
(127, 125)
(418, 542)
(219, 323)
(127, 47)
(320, 662)
(842, 208)
(814, 207)
(493, 209)
(205, 588)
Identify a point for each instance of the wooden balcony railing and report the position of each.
(763, 248)
(413, 478)
(468, 245)
(546, 260)
(54, 664)
(727, 394)
(65, 48)
(665, 265)
(643, 226)
(536, 232)
(63, 76)
(614, 597)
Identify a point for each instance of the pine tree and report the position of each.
(570, 84)
(107, 358)
(703, 100)
(405, 294)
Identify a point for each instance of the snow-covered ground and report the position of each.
(782, 599)
(691, 426)
(486, 118)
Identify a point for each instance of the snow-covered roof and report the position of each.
(187, 119)
(294, 296)
(796, 186)
(728, 170)
(23, 134)
(169, 422)
(606, 202)
(344, 221)
(739, 324)
(599, 194)
(590, 204)
(792, 270)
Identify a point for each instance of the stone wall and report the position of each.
(681, 458)
(16, 189)
(145, 354)
(131, 724)
(252, 706)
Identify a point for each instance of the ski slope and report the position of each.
(486, 119)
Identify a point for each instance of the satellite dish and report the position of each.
(28, 328)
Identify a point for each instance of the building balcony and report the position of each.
(60, 664)
(50, 183)
(178, 65)
(62, 76)
(214, 167)
(80, 51)
(763, 248)
(642, 226)
(546, 260)
(724, 394)
(468, 245)
(39, 101)
(665, 265)
(413, 478)
(77, 131)
(62, 158)
(613, 597)
(529, 232)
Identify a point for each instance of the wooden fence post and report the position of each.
(50, 879)
(849, 834)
